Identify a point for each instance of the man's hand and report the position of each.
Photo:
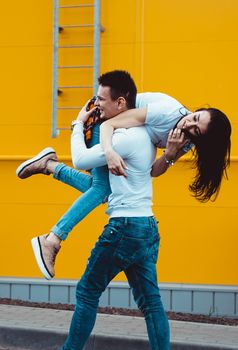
(176, 141)
(84, 114)
(115, 163)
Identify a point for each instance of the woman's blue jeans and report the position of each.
(129, 245)
(95, 189)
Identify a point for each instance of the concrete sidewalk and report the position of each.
(45, 329)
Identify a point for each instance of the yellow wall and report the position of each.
(184, 48)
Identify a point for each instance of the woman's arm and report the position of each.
(127, 119)
(174, 150)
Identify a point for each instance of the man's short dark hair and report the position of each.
(121, 85)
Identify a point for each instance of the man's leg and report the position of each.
(137, 254)
(142, 278)
(99, 272)
(126, 244)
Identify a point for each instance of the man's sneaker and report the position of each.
(37, 164)
(45, 254)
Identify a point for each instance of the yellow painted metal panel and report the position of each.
(184, 48)
(26, 23)
(190, 21)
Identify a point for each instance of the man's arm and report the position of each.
(127, 119)
(88, 158)
(83, 157)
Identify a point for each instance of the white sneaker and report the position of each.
(37, 164)
(45, 253)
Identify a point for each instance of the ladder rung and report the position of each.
(65, 67)
(61, 28)
(74, 46)
(76, 87)
(64, 128)
(75, 6)
(76, 25)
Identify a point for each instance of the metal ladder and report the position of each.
(58, 29)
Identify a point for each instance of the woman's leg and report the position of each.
(96, 189)
(72, 177)
(95, 195)
(46, 247)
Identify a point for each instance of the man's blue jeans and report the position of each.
(129, 245)
(95, 189)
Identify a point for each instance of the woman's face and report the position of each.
(195, 124)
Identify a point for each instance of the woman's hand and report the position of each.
(116, 165)
(84, 114)
(176, 141)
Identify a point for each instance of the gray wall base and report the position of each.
(214, 300)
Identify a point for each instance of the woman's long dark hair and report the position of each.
(211, 156)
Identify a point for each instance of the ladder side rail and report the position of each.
(96, 55)
(55, 68)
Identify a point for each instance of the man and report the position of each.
(130, 240)
(119, 97)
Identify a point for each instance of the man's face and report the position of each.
(107, 106)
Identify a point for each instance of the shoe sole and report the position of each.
(40, 155)
(36, 246)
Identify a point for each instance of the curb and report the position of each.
(35, 339)
(32, 339)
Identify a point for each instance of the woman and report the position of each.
(207, 129)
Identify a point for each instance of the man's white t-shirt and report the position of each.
(131, 196)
